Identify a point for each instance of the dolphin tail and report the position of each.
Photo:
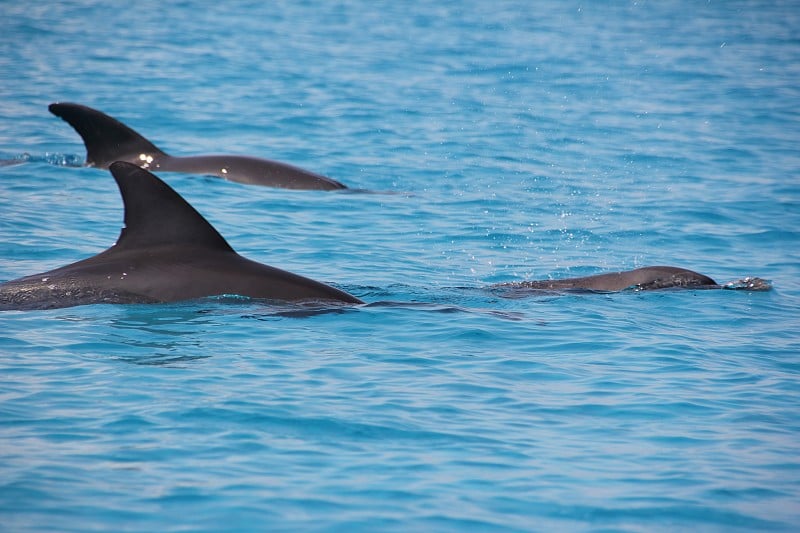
(106, 139)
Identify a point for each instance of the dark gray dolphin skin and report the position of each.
(640, 279)
(166, 252)
(108, 140)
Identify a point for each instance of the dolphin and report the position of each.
(166, 252)
(108, 140)
(640, 279)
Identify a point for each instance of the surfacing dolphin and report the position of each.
(108, 140)
(166, 252)
(640, 279)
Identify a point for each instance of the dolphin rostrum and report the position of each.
(108, 140)
(166, 252)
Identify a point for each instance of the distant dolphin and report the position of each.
(166, 252)
(640, 279)
(108, 140)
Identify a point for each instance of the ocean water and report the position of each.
(502, 141)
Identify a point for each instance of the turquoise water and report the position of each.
(505, 143)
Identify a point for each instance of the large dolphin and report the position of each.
(108, 140)
(640, 279)
(166, 252)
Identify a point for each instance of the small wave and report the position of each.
(15, 160)
(59, 160)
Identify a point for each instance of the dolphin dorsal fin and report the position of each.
(156, 215)
(106, 139)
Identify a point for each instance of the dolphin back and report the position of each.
(640, 279)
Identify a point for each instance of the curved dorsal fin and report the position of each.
(106, 139)
(156, 215)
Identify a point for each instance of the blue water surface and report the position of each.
(504, 141)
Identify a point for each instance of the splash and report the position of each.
(749, 284)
